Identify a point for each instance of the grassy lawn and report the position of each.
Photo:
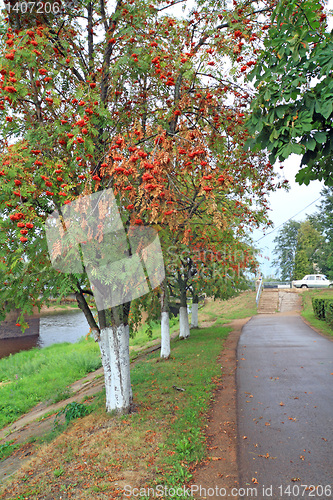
(242, 306)
(308, 313)
(97, 456)
(36, 375)
(154, 445)
(30, 377)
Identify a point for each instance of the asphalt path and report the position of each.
(285, 410)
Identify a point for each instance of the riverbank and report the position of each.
(10, 329)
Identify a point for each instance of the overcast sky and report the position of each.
(285, 205)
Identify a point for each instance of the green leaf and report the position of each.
(260, 125)
(297, 149)
(274, 135)
(267, 95)
(324, 108)
(280, 111)
(305, 116)
(311, 144)
(320, 137)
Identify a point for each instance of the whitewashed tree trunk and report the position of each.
(165, 335)
(194, 315)
(114, 346)
(165, 326)
(103, 343)
(184, 327)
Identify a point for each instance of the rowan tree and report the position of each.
(213, 264)
(124, 97)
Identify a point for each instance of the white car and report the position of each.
(313, 281)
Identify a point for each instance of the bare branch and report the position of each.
(103, 14)
(171, 5)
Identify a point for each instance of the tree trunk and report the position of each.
(165, 335)
(114, 346)
(165, 327)
(112, 336)
(194, 313)
(184, 327)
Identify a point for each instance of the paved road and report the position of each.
(285, 409)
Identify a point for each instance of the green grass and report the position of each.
(192, 369)
(29, 377)
(141, 337)
(6, 449)
(163, 436)
(241, 306)
(308, 313)
(36, 375)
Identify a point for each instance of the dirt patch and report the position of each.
(220, 470)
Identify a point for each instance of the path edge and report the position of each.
(221, 431)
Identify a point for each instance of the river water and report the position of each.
(54, 328)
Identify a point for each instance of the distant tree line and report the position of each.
(307, 247)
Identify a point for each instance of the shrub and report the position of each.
(329, 312)
(318, 305)
(323, 309)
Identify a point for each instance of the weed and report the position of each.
(58, 472)
(180, 475)
(184, 447)
(63, 394)
(72, 411)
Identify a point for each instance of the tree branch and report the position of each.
(82, 303)
(90, 38)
